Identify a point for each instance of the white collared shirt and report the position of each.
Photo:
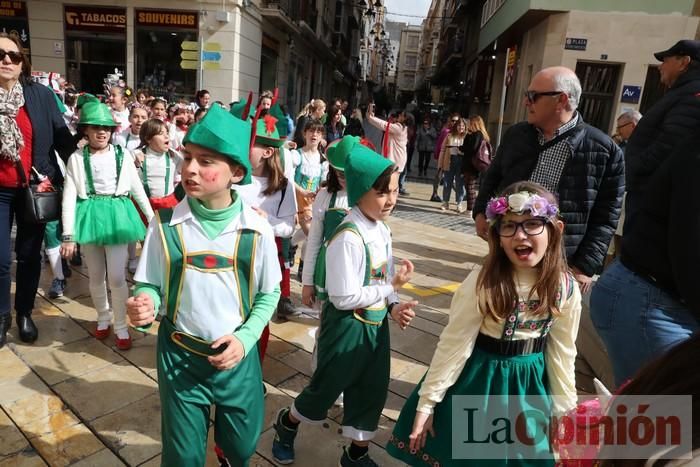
(346, 263)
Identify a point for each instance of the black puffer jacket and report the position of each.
(662, 243)
(590, 188)
(674, 118)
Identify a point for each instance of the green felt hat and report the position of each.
(225, 134)
(84, 99)
(266, 133)
(96, 113)
(338, 150)
(362, 168)
(241, 109)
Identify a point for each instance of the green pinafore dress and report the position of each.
(106, 219)
(508, 381)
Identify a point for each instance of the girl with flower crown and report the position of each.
(509, 345)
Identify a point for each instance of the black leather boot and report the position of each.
(5, 323)
(27, 329)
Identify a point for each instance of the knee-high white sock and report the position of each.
(54, 255)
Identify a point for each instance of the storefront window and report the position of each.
(159, 36)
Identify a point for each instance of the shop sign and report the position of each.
(574, 43)
(95, 19)
(13, 21)
(13, 9)
(173, 19)
(631, 94)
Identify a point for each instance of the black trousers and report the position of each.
(28, 250)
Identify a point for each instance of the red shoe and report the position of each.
(123, 344)
(101, 334)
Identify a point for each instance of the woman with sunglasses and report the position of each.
(446, 128)
(31, 127)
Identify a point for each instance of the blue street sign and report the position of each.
(631, 94)
(210, 56)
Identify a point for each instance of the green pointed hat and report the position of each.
(266, 133)
(362, 168)
(225, 134)
(282, 128)
(338, 150)
(241, 109)
(84, 99)
(96, 113)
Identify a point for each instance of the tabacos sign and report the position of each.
(79, 18)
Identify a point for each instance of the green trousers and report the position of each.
(353, 359)
(189, 385)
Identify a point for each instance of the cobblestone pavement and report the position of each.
(70, 399)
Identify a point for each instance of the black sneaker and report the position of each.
(67, 271)
(285, 308)
(435, 198)
(283, 443)
(57, 288)
(364, 461)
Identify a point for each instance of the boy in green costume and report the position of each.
(353, 345)
(212, 260)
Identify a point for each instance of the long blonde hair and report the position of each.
(476, 123)
(311, 107)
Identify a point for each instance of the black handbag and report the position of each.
(37, 207)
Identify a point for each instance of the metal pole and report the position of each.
(503, 100)
(200, 68)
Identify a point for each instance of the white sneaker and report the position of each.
(445, 206)
(461, 209)
(133, 264)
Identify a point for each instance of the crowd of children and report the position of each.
(216, 201)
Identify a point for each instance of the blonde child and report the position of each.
(99, 214)
(512, 332)
(129, 138)
(217, 299)
(119, 99)
(354, 349)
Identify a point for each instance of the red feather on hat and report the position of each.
(246, 109)
(275, 96)
(270, 123)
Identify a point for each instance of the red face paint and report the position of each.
(212, 179)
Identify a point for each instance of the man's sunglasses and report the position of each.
(532, 96)
(15, 57)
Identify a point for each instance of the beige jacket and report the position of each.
(452, 143)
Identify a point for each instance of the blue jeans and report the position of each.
(637, 320)
(28, 250)
(454, 177)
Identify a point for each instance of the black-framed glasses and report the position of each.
(532, 96)
(15, 57)
(531, 227)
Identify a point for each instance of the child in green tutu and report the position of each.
(98, 213)
(510, 343)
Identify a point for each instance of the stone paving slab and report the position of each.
(72, 400)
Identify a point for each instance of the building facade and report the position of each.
(409, 52)
(306, 48)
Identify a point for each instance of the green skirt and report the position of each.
(107, 220)
(522, 377)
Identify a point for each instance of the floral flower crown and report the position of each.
(520, 202)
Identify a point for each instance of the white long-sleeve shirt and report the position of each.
(346, 263)
(280, 212)
(315, 238)
(458, 339)
(104, 174)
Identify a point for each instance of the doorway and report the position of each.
(599, 83)
(91, 57)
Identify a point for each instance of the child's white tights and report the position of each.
(54, 255)
(108, 262)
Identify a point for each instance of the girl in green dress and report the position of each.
(509, 344)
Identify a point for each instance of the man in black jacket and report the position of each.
(649, 300)
(577, 162)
